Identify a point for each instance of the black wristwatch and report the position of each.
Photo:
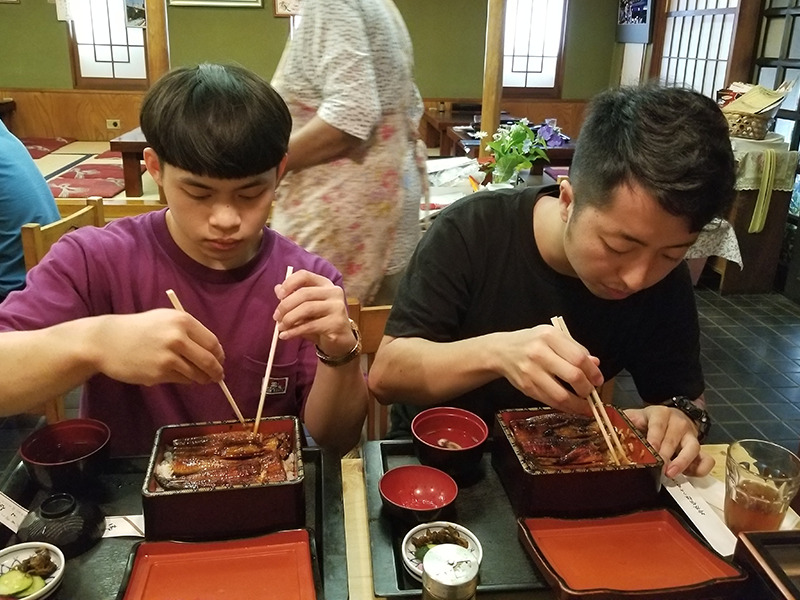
(700, 417)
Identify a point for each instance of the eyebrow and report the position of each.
(629, 238)
(190, 180)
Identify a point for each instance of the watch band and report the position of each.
(338, 361)
(700, 416)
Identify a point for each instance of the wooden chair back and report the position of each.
(371, 322)
(36, 241)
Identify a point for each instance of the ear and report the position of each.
(282, 166)
(153, 164)
(566, 200)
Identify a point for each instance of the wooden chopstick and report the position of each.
(173, 297)
(598, 409)
(265, 381)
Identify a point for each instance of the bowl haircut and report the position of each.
(220, 121)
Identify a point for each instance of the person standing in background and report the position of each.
(355, 175)
(24, 198)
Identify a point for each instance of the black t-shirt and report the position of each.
(477, 270)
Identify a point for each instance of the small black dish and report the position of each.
(74, 526)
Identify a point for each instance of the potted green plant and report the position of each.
(514, 148)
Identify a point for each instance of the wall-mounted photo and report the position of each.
(229, 3)
(635, 21)
(285, 8)
(135, 13)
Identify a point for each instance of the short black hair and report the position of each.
(220, 121)
(673, 142)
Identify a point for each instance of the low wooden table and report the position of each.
(131, 144)
(7, 108)
(436, 124)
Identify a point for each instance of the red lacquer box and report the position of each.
(222, 512)
(576, 492)
(647, 555)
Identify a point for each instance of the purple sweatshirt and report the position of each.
(126, 267)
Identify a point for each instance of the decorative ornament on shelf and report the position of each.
(514, 148)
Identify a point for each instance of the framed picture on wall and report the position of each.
(229, 3)
(285, 8)
(635, 21)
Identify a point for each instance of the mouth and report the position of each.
(223, 245)
(615, 294)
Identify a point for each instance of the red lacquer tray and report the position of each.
(644, 555)
(278, 565)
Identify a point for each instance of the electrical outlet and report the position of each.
(112, 123)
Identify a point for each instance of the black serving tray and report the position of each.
(98, 573)
(482, 507)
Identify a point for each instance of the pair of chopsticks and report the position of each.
(173, 297)
(178, 306)
(598, 410)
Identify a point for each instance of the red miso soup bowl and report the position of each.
(66, 455)
(450, 439)
(416, 493)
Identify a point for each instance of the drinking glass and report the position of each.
(761, 479)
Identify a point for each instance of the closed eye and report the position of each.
(614, 250)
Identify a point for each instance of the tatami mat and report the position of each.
(52, 164)
(83, 148)
(76, 153)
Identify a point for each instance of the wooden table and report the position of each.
(131, 144)
(356, 527)
(7, 108)
(359, 560)
(436, 124)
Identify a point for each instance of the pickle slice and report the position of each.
(14, 582)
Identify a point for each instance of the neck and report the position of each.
(548, 233)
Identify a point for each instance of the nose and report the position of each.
(224, 216)
(637, 274)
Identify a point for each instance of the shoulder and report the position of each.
(299, 258)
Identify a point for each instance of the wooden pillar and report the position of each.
(493, 69)
(157, 39)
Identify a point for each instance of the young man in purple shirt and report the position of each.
(95, 311)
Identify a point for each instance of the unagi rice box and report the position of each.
(571, 478)
(208, 481)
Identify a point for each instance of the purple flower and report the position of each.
(551, 136)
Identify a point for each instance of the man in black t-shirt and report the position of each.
(470, 326)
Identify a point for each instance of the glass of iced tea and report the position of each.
(761, 479)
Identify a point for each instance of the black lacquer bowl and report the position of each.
(68, 455)
(72, 525)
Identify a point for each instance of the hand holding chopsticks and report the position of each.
(598, 410)
(178, 306)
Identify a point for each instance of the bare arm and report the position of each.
(422, 372)
(157, 346)
(313, 308)
(317, 142)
